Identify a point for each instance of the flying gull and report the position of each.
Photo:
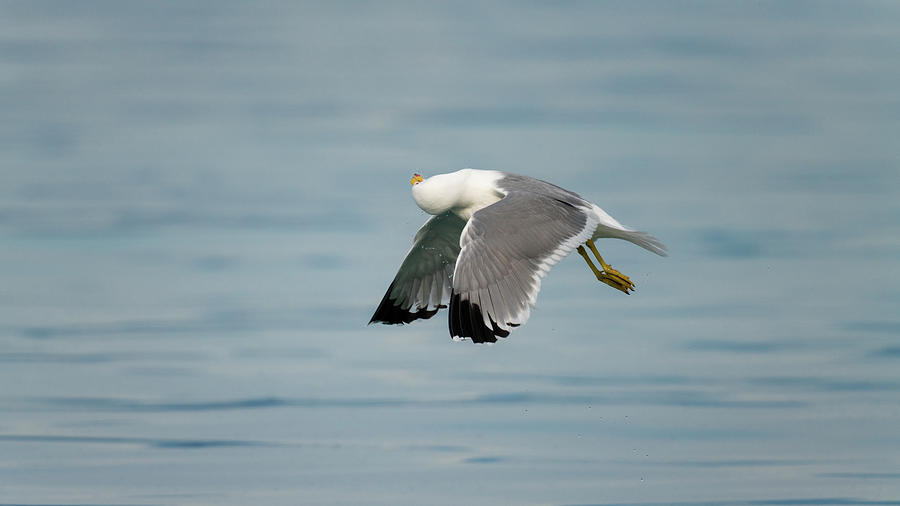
(492, 237)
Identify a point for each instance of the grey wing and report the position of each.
(607, 226)
(423, 282)
(507, 248)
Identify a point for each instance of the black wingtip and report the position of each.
(390, 313)
(467, 321)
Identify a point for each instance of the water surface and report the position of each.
(203, 202)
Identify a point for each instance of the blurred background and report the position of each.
(202, 203)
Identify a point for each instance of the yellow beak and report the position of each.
(416, 179)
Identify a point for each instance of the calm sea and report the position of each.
(201, 204)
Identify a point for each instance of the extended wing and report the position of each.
(423, 283)
(507, 248)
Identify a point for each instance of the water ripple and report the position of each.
(809, 501)
(150, 442)
(683, 398)
(864, 476)
(828, 384)
(886, 352)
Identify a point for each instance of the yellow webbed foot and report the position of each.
(610, 276)
(616, 280)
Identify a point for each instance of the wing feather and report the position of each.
(422, 285)
(507, 248)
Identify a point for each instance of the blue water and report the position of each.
(203, 202)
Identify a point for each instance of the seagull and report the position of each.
(492, 236)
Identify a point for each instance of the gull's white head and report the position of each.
(439, 193)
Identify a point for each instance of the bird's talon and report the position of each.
(615, 282)
(625, 280)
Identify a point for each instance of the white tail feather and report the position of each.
(646, 241)
(642, 239)
(609, 227)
